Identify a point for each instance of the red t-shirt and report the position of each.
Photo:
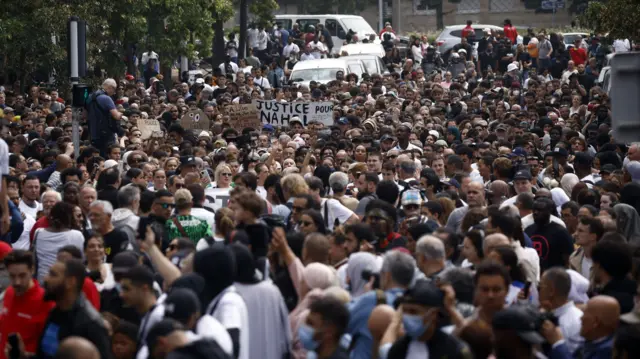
(25, 315)
(91, 293)
(578, 56)
(511, 33)
(43, 222)
(468, 31)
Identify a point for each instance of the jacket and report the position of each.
(81, 320)
(25, 315)
(199, 349)
(16, 225)
(125, 220)
(624, 290)
(441, 345)
(575, 262)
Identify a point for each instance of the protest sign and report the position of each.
(242, 116)
(216, 198)
(279, 114)
(149, 127)
(196, 120)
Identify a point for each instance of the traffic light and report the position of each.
(80, 95)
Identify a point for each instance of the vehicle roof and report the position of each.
(371, 48)
(360, 56)
(320, 63)
(285, 16)
(475, 26)
(574, 33)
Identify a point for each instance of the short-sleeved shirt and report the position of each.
(115, 242)
(106, 103)
(194, 228)
(544, 48)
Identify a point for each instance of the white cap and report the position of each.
(512, 67)
(110, 163)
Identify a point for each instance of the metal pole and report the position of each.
(380, 15)
(73, 60)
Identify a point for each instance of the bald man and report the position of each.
(77, 348)
(62, 163)
(499, 192)
(379, 320)
(475, 199)
(493, 241)
(599, 324)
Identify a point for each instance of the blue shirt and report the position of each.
(360, 310)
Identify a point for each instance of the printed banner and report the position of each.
(242, 116)
(278, 113)
(216, 198)
(149, 128)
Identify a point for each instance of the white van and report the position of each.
(337, 25)
(324, 70)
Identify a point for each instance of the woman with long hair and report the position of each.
(98, 270)
(223, 176)
(224, 226)
(60, 233)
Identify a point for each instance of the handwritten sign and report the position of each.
(149, 128)
(279, 114)
(196, 120)
(216, 198)
(242, 116)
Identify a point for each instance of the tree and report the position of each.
(618, 18)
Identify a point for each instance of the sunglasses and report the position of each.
(179, 185)
(226, 174)
(167, 205)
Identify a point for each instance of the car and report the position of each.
(604, 80)
(450, 36)
(373, 63)
(363, 49)
(324, 70)
(570, 37)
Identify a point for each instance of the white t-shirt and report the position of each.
(621, 45)
(586, 267)
(31, 211)
(335, 209)
(317, 49)
(252, 37)
(262, 82)
(209, 327)
(23, 242)
(4, 159)
(231, 311)
(202, 213)
(292, 47)
(48, 243)
(233, 66)
(305, 57)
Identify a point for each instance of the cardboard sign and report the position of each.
(149, 128)
(216, 198)
(242, 116)
(196, 120)
(278, 113)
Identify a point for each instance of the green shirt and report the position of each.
(195, 228)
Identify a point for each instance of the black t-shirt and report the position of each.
(553, 243)
(115, 242)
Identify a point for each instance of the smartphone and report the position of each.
(205, 174)
(13, 340)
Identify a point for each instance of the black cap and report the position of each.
(608, 168)
(386, 137)
(181, 304)
(522, 175)
(522, 320)
(124, 261)
(161, 329)
(560, 152)
(424, 292)
(187, 161)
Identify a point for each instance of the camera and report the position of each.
(367, 274)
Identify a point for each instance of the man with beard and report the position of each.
(552, 241)
(72, 315)
(382, 217)
(138, 293)
(366, 184)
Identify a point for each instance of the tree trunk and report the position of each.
(218, 43)
(242, 41)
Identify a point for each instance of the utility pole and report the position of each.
(77, 58)
(242, 36)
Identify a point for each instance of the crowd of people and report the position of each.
(489, 213)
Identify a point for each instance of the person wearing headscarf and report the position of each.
(568, 181)
(357, 264)
(628, 222)
(559, 197)
(217, 266)
(316, 277)
(269, 328)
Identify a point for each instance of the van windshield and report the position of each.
(358, 24)
(321, 75)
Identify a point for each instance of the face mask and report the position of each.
(305, 334)
(413, 325)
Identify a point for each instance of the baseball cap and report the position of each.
(4, 250)
(124, 261)
(387, 137)
(411, 197)
(522, 320)
(343, 121)
(161, 329)
(187, 161)
(633, 167)
(608, 168)
(267, 127)
(522, 174)
(181, 304)
(560, 152)
(512, 67)
(583, 158)
(295, 119)
(8, 109)
(501, 128)
(518, 152)
(424, 292)
(110, 163)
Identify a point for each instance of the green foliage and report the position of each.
(171, 28)
(262, 11)
(618, 18)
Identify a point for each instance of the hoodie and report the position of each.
(628, 222)
(125, 220)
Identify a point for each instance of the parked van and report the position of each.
(337, 25)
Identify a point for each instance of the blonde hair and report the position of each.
(220, 169)
(183, 198)
(224, 221)
(294, 184)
